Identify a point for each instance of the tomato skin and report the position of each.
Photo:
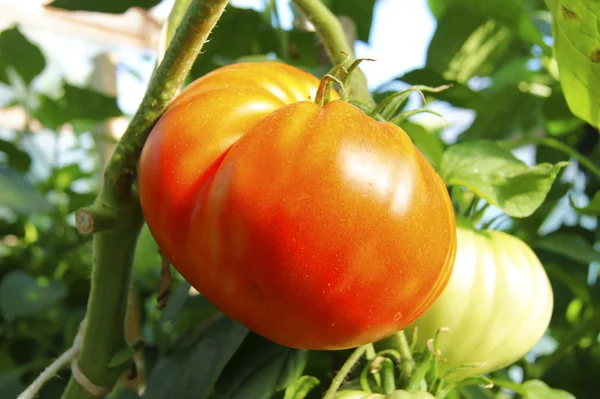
(316, 227)
(498, 304)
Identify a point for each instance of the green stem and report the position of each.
(331, 32)
(407, 363)
(538, 369)
(113, 249)
(557, 145)
(339, 378)
(173, 21)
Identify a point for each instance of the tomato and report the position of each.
(316, 227)
(497, 304)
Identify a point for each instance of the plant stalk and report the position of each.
(331, 32)
(114, 249)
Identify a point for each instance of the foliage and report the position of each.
(498, 58)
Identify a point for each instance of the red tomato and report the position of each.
(315, 226)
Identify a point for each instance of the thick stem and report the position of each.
(114, 249)
(331, 32)
(557, 145)
(407, 363)
(191, 34)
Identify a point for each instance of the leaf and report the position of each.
(20, 55)
(429, 143)
(458, 95)
(576, 29)
(10, 383)
(19, 195)
(593, 208)
(569, 245)
(361, 12)
(301, 387)
(76, 106)
(22, 295)
(536, 389)
(260, 369)
(558, 118)
(18, 159)
(466, 44)
(191, 370)
(510, 12)
(107, 6)
(498, 176)
(240, 32)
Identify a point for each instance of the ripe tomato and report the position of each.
(497, 304)
(315, 226)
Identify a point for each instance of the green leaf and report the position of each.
(106, 6)
(18, 159)
(260, 369)
(429, 143)
(458, 95)
(22, 295)
(361, 12)
(125, 355)
(81, 107)
(191, 370)
(19, 195)
(240, 32)
(576, 29)
(20, 55)
(593, 208)
(569, 245)
(301, 387)
(10, 383)
(558, 118)
(536, 389)
(496, 175)
(466, 44)
(510, 12)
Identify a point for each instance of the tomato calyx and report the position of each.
(340, 75)
(389, 108)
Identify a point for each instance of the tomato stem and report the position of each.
(324, 85)
(387, 376)
(114, 247)
(333, 37)
(407, 363)
(94, 220)
(341, 375)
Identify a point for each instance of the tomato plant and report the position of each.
(496, 306)
(315, 226)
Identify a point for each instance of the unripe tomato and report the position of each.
(315, 226)
(497, 304)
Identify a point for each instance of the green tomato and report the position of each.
(497, 304)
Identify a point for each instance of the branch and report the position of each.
(331, 32)
(114, 248)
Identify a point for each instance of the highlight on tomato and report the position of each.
(497, 305)
(313, 225)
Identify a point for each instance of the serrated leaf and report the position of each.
(576, 29)
(106, 6)
(536, 389)
(260, 369)
(19, 195)
(301, 387)
(18, 53)
(22, 295)
(496, 175)
(569, 245)
(84, 103)
(593, 208)
(191, 370)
